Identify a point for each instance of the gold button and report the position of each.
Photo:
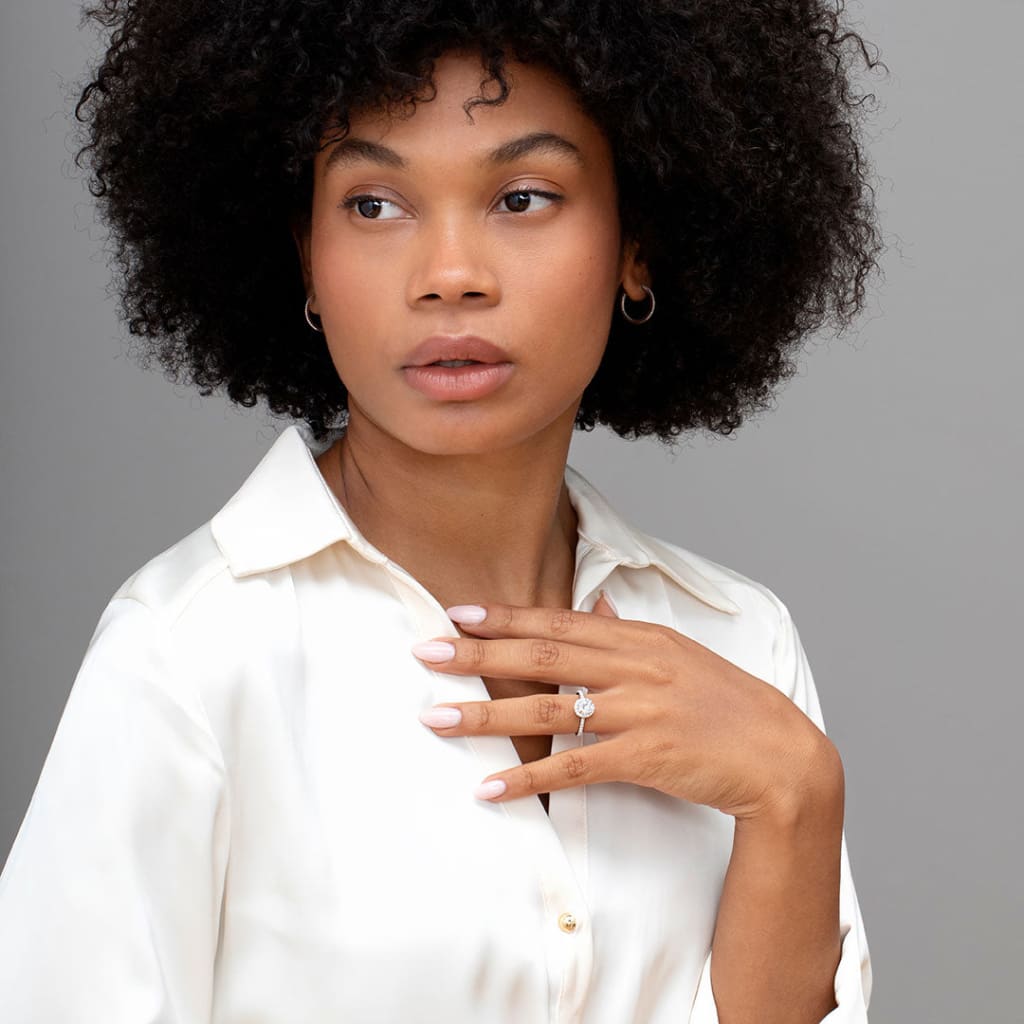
(567, 923)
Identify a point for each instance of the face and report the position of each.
(425, 226)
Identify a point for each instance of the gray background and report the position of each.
(880, 499)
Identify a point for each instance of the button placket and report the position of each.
(570, 936)
(556, 842)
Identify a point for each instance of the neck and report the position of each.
(472, 528)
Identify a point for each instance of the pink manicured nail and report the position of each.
(434, 650)
(467, 614)
(441, 718)
(487, 790)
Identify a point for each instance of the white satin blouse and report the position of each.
(241, 819)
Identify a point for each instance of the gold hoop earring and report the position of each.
(310, 322)
(634, 320)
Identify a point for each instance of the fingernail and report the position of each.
(467, 614)
(434, 650)
(487, 790)
(611, 603)
(441, 718)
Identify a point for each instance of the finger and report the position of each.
(589, 629)
(549, 661)
(580, 766)
(544, 714)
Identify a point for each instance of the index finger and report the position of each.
(588, 629)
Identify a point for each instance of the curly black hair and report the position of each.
(734, 129)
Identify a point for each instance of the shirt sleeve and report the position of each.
(852, 982)
(110, 896)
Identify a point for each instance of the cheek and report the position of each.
(339, 276)
(576, 295)
(351, 298)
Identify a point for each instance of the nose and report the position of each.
(451, 264)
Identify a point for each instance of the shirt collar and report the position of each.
(284, 512)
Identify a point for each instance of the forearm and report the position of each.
(776, 945)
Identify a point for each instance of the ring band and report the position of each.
(584, 707)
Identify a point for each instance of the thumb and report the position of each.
(604, 606)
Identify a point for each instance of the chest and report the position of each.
(366, 883)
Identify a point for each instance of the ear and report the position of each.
(634, 272)
(301, 235)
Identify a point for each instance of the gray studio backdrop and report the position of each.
(881, 499)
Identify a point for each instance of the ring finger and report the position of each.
(537, 715)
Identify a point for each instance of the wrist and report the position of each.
(810, 794)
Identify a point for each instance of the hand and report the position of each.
(670, 713)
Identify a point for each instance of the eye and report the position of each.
(368, 204)
(522, 201)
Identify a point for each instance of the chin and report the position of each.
(472, 433)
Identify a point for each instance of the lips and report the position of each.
(446, 347)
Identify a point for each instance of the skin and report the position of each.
(436, 485)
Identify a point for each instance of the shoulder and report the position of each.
(747, 598)
(727, 595)
(170, 582)
(204, 626)
(196, 598)
(757, 631)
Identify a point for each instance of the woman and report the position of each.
(441, 236)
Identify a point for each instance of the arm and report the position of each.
(110, 898)
(789, 943)
(777, 940)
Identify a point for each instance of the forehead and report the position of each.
(540, 114)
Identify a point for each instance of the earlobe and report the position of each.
(634, 272)
(636, 285)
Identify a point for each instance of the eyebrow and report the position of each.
(353, 150)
